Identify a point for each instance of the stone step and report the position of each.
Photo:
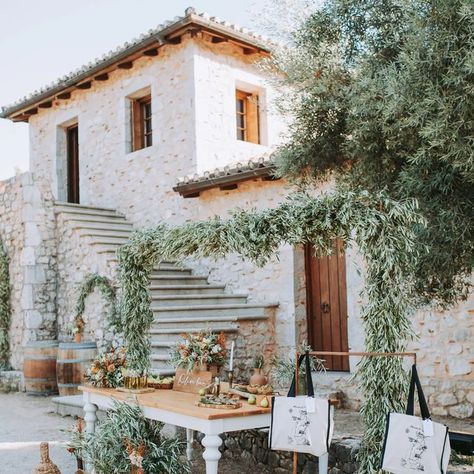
(171, 270)
(203, 322)
(71, 405)
(107, 249)
(86, 211)
(107, 233)
(162, 368)
(240, 311)
(160, 357)
(158, 369)
(80, 220)
(178, 279)
(194, 300)
(123, 226)
(173, 334)
(111, 241)
(158, 290)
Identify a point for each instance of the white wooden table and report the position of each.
(179, 409)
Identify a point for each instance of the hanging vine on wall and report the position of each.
(5, 310)
(105, 286)
(383, 230)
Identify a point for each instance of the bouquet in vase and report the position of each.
(198, 351)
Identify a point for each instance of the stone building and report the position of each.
(178, 125)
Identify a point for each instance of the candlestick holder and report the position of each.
(230, 377)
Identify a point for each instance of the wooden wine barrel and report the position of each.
(39, 367)
(74, 358)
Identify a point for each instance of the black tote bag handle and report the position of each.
(309, 379)
(415, 381)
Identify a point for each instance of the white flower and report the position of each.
(216, 349)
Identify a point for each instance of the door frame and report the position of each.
(72, 164)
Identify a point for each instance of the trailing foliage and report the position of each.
(384, 230)
(123, 435)
(5, 310)
(90, 283)
(381, 96)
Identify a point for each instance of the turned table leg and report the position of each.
(90, 418)
(211, 453)
(189, 444)
(323, 463)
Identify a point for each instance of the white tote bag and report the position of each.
(301, 423)
(412, 444)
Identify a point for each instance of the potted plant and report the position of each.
(258, 377)
(78, 328)
(202, 351)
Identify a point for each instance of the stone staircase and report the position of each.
(181, 301)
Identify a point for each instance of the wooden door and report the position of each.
(72, 134)
(327, 305)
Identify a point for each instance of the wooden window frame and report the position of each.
(250, 129)
(142, 123)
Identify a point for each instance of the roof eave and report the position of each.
(159, 39)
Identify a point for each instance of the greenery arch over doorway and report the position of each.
(382, 229)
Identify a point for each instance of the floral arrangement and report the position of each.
(203, 348)
(77, 326)
(106, 370)
(126, 442)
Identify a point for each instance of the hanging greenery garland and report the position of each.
(382, 229)
(105, 286)
(5, 310)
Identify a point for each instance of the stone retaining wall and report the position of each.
(252, 446)
(27, 226)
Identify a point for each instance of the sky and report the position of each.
(43, 40)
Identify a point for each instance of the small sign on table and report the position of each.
(191, 382)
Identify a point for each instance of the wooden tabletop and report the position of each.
(178, 402)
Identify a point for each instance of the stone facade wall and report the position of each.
(27, 226)
(193, 104)
(77, 259)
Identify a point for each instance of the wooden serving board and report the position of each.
(160, 386)
(219, 407)
(135, 390)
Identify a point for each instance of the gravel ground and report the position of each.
(26, 421)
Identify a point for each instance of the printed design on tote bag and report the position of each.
(299, 434)
(413, 459)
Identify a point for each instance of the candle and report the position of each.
(231, 365)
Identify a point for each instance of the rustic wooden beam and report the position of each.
(175, 40)
(84, 85)
(102, 77)
(229, 187)
(64, 96)
(248, 51)
(191, 195)
(218, 39)
(151, 52)
(125, 65)
(32, 111)
(46, 105)
(20, 118)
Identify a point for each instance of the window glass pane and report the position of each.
(240, 106)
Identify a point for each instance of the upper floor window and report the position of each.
(141, 123)
(247, 116)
